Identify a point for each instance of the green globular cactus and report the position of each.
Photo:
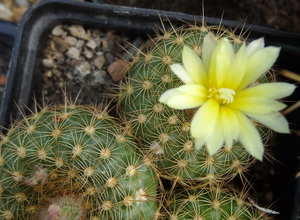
(73, 163)
(200, 203)
(165, 131)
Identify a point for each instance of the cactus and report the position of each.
(218, 203)
(74, 162)
(164, 131)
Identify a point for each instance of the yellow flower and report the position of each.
(222, 83)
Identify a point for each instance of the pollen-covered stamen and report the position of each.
(223, 95)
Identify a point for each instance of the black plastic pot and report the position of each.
(8, 31)
(24, 78)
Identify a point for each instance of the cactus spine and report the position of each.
(74, 162)
(165, 131)
(200, 203)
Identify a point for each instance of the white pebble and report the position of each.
(77, 31)
(72, 41)
(47, 63)
(91, 44)
(5, 13)
(57, 31)
(84, 68)
(80, 43)
(99, 78)
(88, 54)
(99, 53)
(73, 53)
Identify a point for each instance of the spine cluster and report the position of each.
(164, 133)
(76, 162)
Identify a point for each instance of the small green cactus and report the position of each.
(74, 162)
(164, 131)
(200, 203)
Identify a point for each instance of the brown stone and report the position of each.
(116, 70)
(99, 62)
(18, 13)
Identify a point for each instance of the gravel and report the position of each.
(81, 59)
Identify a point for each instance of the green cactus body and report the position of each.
(210, 204)
(74, 162)
(165, 131)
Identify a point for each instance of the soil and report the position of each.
(87, 60)
(279, 14)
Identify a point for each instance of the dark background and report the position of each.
(279, 14)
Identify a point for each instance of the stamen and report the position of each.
(226, 95)
(223, 95)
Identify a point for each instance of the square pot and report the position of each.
(24, 78)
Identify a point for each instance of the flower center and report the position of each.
(223, 95)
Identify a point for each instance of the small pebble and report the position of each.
(84, 68)
(91, 44)
(116, 70)
(99, 53)
(73, 53)
(99, 78)
(57, 73)
(59, 57)
(88, 54)
(49, 74)
(5, 13)
(72, 41)
(77, 31)
(106, 45)
(99, 62)
(57, 31)
(79, 43)
(60, 44)
(47, 62)
(69, 76)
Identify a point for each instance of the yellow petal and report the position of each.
(256, 105)
(199, 142)
(185, 102)
(216, 140)
(230, 125)
(204, 120)
(194, 66)
(275, 120)
(259, 63)
(184, 97)
(208, 46)
(255, 46)
(195, 90)
(249, 137)
(276, 90)
(181, 73)
(220, 63)
(238, 68)
(167, 95)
